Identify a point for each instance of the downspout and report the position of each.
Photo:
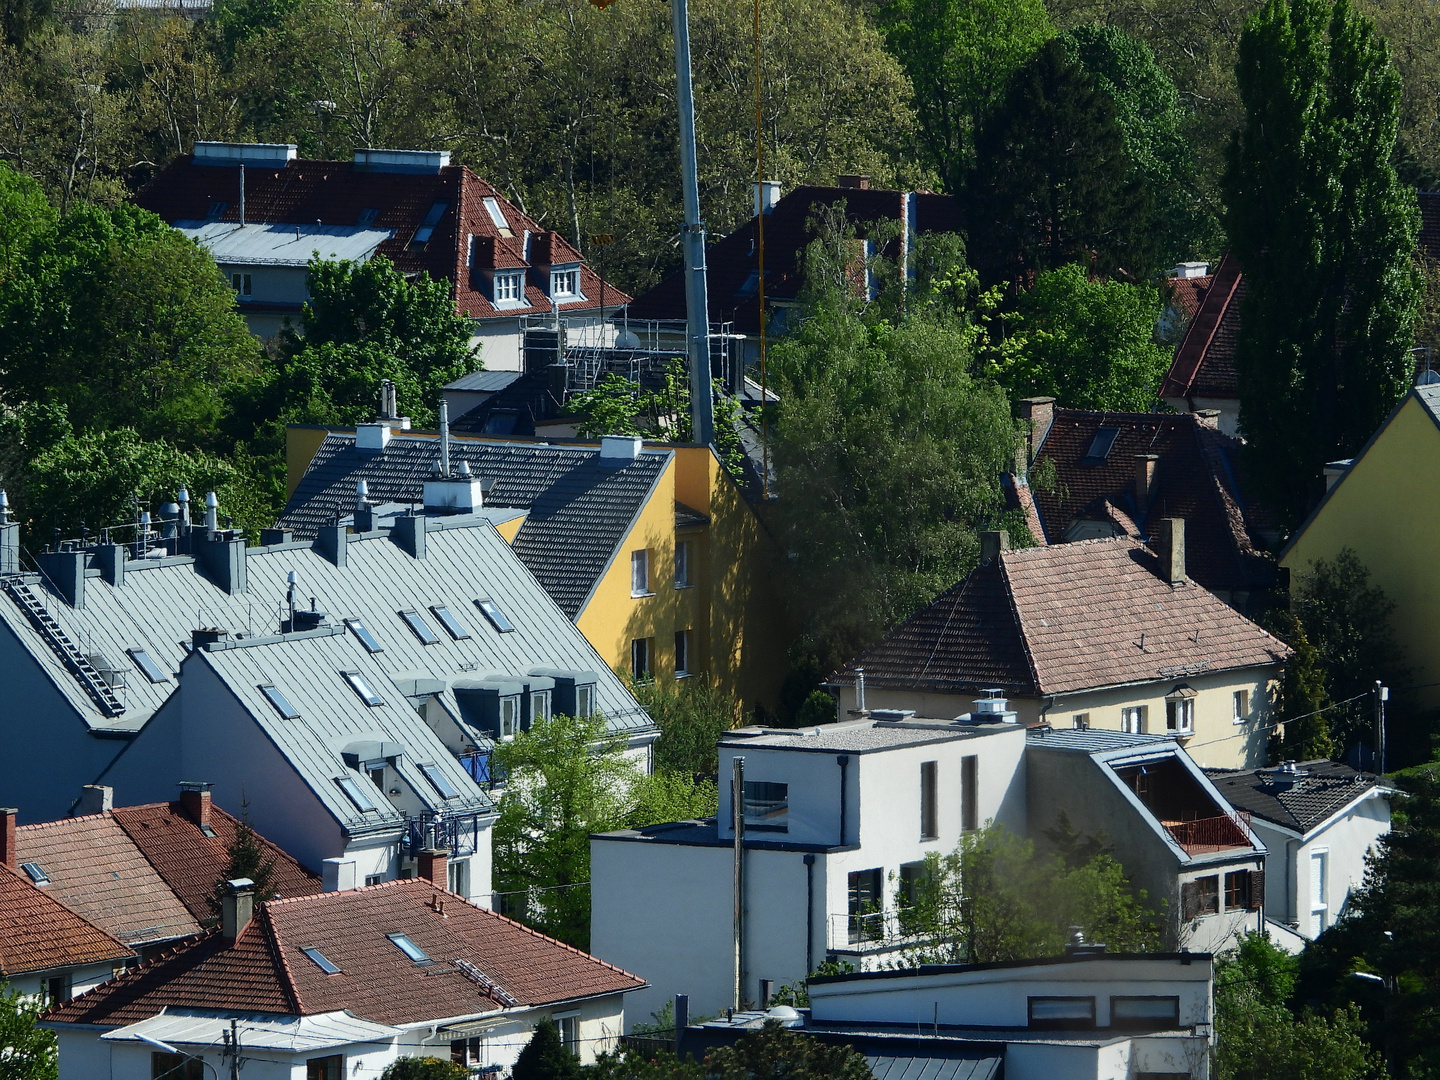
(844, 760)
(737, 816)
(809, 912)
(1292, 882)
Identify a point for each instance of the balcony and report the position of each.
(485, 772)
(1207, 835)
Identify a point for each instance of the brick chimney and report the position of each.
(1039, 414)
(431, 865)
(1145, 480)
(992, 543)
(195, 801)
(9, 853)
(858, 181)
(1170, 546)
(236, 909)
(1208, 418)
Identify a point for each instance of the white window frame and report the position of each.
(640, 572)
(569, 1026)
(637, 647)
(1132, 719)
(509, 286)
(457, 877)
(1080, 721)
(565, 284)
(539, 705)
(1240, 713)
(242, 284)
(585, 699)
(1320, 905)
(509, 725)
(1180, 716)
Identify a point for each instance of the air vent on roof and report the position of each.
(277, 155)
(401, 161)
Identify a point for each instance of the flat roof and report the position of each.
(861, 735)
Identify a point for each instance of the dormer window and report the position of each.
(509, 717)
(509, 286)
(565, 284)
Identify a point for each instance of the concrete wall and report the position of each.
(500, 343)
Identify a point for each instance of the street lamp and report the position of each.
(167, 1048)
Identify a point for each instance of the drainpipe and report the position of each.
(737, 815)
(844, 760)
(809, 912)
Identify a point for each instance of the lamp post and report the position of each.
(167, 1048)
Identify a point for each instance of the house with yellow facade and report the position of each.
(1105, 634)
(1384, 505)
(651, 550)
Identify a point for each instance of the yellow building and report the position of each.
(651, 550)
(1386, 507)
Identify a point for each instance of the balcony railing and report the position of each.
(1229, 830)
(459, 834)
(483, 769)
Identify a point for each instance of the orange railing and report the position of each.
(1214, 833)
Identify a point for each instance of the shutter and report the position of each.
(1257, 890)
(1190, 899)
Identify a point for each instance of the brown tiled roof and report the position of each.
(1059, 619)
(336, 193)
(1204, 364)
(1186, 294)
(1196, 478)
(39, 933)
(268, 972)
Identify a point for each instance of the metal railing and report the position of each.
(95, 684)
(1221, 831)
(483, 769)
(459, 834)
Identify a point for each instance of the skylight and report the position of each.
(453, 625)
(355, 793)
(1101, 445)
(439, 782)
(422, 630)
(37, 875)
(367, 217)
(491, 611)
(427, 227)
(364, 689)
(147, 666)
(361, 631)
(281, 703)
(321, 961)
(492, 207)
(409, 948)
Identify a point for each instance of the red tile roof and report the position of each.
(266, 971)
(1061, 619)
(39, 933)
(336, 193)
(1186, 294)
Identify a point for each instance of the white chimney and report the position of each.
(767, 194)
(1190, 270)
(212, 512)
(618, 449)
(338, 875)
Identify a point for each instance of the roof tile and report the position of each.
(39, 933)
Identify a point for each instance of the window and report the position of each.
(682, 653)
(1319, 894)
(509, 717)
(176, 1067)
(409, 948)
(240, 283)
(1100, 446)
(767, 805)
(356, 794)
(453, 626)
(640, 658)
(1244, 890)
(1062, 1013)
(365, 637)
(34, 872)
(1145, 1013)
(1240, 706)
(320, 960)
(1200, 897)
(929, 819)
(1132, 720)
(495, 616)
(367, 217)
(282, 705)
(492, 207)
(325, 1068)
(682, 564)
(585, 701)
(427, 227)
(865, 899)
(364, 689)
(439, 781)
(508, 287)
(640, 572)
(1080, 721)
(374, 879)
(969, 792)
(376, 771)
(467, 1051)
(569, 1025)
(58, 988)
(147, 666)
(457, 876)
(420, 627)
(914, 877)
(564, 283)
(1180, 714)
(539, 705)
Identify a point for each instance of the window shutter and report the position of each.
(1257, 890)
(1190, 899)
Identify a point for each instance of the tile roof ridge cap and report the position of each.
(1009, 593)
(57, 822)
(271, 936)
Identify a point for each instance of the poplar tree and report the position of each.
(1325, 233)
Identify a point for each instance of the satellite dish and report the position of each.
(627, 339)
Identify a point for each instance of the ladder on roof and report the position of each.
(489, 985)
(60, 644)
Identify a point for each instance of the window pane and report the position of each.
(970, 792)
(282, 705)
(439, 781)
(682, 652)
(453, 626)
(639, 573)
(366, 638)
(320, 961)
(509, 717)
(1062, 1012)
(682, 563)
(355, 793)
(585, 700)
(929, 828)
(363, 688)
(1145, 1012)
(495, 616)
(147, 666)
(420, 627)
(409, 948)
(767, 805)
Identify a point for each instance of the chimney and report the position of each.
(1209, 418)
(767, 194)
(409, 533)
(1144, 481)
(1039, 413)
(277, 535)
(992, 543)
(331, 542)
(858, 181)
(236, 909)
(1334, 470)
(1170, 546)
(212, 512)
(9, 852)
(195, 801)
(65, 570)
(222, 555)
(431, 865)
(110, 558)
(338, 875)
(95, 799)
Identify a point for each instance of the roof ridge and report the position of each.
(1019, 622)
(56, 822)
(271, 933)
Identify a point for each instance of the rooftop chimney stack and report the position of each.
(9, 853)
(857, 181)
(1170, 546)
(1144, 481)
(338, 875)
(95, 799)
(992, 543)
(444, 440)
(182, 500)
(767, 194)
(212, 512)
(432, 865)
(9, 538)
(195, 801)
(1039, 412)
(236, 909)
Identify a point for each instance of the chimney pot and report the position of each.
(992, 543)
(238, 907)
(338, 875)
(1039, 412)
(1170, 546)
(95, 799)
(432, 865)
(9, 853)
(859, 181)
(1144, 480)
(195, 802)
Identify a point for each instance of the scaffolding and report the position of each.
(639, 351)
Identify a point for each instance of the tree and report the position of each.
(1325, 232)
(1053, 183)
(1086, 341)
(692, 716)
(959, 54)
(778, 1053)
(247, 857)
(545, 1057)
(423, 1068)
(1305, 732)
(27, 1052)
(671, 796)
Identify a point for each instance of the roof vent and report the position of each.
(401, 161)
(990, 709)
(892, 715)
(1190, 270)
(275, 155)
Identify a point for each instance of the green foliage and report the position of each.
(692, 715)
(247, 857)
(1258, 1037)
(545, 1057)
(798, 996)
(423, 1068)
(959, 55)
(1302, 693)
(1053, 183)
(1325, 231)
(27, 1052)
(818, 708)
(777, 1053)
(626, 1064)
(1088, 342)
(1019, 904)
(670, 796)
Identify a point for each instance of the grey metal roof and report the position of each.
(579, 510)
(1091, 740)
(487, 382)
(162, 601)
(1318, 791)
(884, 1067)
(858, 735)
(271, 244)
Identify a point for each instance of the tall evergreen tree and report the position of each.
(1326, 233)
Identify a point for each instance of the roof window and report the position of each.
(427, 227)
(409, 948)
(281, 703)
(363, 688)
(147, 666)
(367, 217)
(321, 961)
(366, 638)
(492, 207)
(439, 781)
(1101, 445)
(497, 618)
(453, 626)
(37, 875)
(421, 628)
(356, 794)
(216, 209)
